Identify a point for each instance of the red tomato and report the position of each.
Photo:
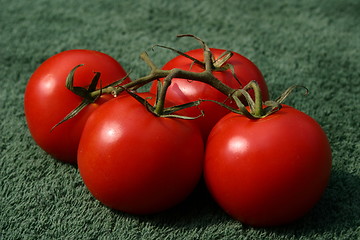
(183, 91)
(47, 101)
(269, 171)
(138, 163)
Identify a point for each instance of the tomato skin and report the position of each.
(135, 162)
(183, 91)
(47, 101)
(270, 171)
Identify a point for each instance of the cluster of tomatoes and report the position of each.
(263, 172)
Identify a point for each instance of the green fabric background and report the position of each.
(313, 43)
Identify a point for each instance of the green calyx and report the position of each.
(87, 95)
(257, 108)
(159, 110)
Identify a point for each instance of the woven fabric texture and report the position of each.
(311, 43)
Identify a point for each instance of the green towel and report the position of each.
(312, 43)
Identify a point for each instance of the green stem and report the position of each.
(209, 66)
(160, 103)
(145, 57)
(258, 106)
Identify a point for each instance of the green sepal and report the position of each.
(242, 109)
(80, 91)
(203, 44)
(287, 92)
(168, 112)
(202, 64)
(74, 112)
(69, 84)
(222, 59)
(141, 100)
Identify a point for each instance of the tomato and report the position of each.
(269, 171)
(183, 91)
(47, 101)
(135, 162)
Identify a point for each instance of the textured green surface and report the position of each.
(313, 43)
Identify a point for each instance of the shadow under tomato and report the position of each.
(335, 213)
(196, 211)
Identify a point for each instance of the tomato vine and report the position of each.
(258, 108)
